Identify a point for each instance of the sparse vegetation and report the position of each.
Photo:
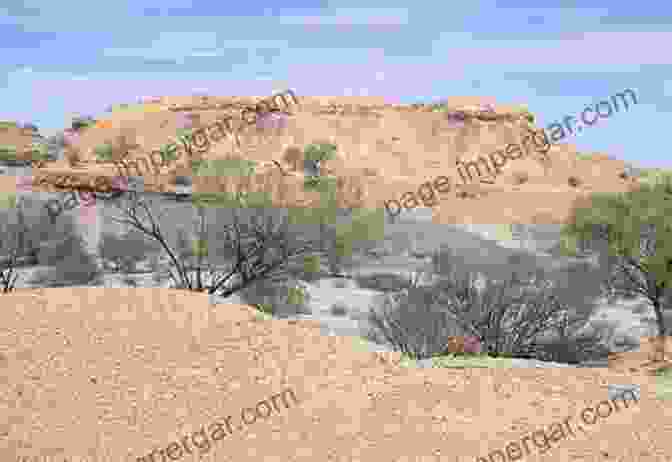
(636, 229)
(167, 153)
(314, 155)
(319, 152)
(512, 317)
(80, 123)
(230, 166)
(10, 244)
(8, 153)
(259, 241)
(40, 153)
(311, 267)
(440, 107)
(277, 296)
(104, 152)
(582, 156)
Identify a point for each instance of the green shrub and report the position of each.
(568, 246)
(319, 152)
(582, 156)
(7, 152)
(167, 154)
(320, 184)
(39, 151)
(253, 199)
(79, 123)
(663, 383)
(196, 165)
(185, 134)
(265, 308)
(200, 248)
(104, 152)
(232, 166)
(7, 124)
(295, 296)
(656, 177)
(277, 296)
(311, 265)
(7, 201)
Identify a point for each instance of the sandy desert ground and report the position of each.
(113, 374)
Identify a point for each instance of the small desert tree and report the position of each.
(339, 241)
(257, 243)
(634, 230)
(11, 236)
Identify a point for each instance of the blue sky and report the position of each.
(67, 57)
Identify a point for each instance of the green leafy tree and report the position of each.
(634, 232)
(339, 241)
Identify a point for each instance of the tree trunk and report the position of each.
(660, 322)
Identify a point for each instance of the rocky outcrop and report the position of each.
(384, 151)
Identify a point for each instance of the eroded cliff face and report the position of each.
(386, 152)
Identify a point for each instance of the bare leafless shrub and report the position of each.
(25, 235)
(513, 317)
(258, 243)
(9, 243)
(8, 274)
(124, 251)
(412, 323)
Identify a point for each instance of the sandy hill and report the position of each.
(16, 136)
(113, 374)
(384, 151)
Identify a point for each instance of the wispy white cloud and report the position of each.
(179, 45)
(592, 50)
